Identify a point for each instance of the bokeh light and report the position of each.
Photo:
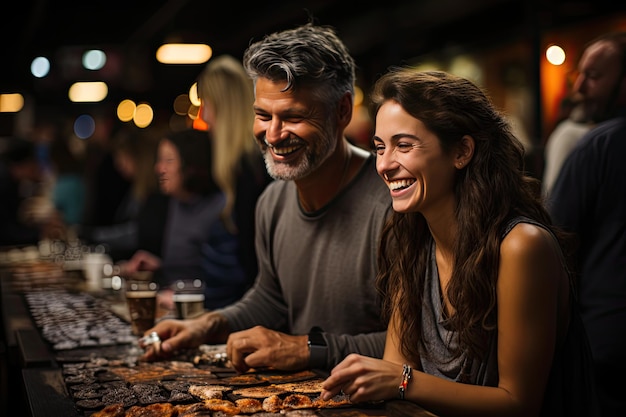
(181, 104)
(40, 67)
(11, 103)
(94, 59)
(143, 115)
(193, 95)
(555, 55)
(183, 53)
(88, 92)
(126, 110)
(84, 126)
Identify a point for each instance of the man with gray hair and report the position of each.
(317, 227)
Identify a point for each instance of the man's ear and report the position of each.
(344, 109)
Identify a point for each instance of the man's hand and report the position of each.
(186, 334)
(260, 347)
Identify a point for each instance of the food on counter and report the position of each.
(310, 386)
(225, 406)
(261, 392)
(249, 405)
(296, 401)
(152, 410)
(273, 404)
(75, 320)
(101, 385)
(208, 392)
(112, 410)
(149, 393)
(338, 401)
(157, 371)
(212, 355)
(241, 380)
(193, 410)
(279, 377)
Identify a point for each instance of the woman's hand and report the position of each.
(363, 379)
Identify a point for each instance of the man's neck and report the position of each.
(322, 186)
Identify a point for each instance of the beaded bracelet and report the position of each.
(406, 377)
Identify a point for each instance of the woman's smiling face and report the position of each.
(409, 158)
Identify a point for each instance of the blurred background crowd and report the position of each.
(87, 97)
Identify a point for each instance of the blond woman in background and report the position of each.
(237, 165)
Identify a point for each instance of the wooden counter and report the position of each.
(38, 372)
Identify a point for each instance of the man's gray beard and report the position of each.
(311, 161)
(286, 172)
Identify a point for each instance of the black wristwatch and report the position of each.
(318, 349)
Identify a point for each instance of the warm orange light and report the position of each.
(143, 115)
(184, 53)
(195, 113)
(193, 94)
(11, 103)
(126, 110)
(88, 92)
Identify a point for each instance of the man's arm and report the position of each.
(340, 346)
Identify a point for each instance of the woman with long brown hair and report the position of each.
(479, 296)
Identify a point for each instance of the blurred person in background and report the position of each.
(47, 126)
(317, 224)
(563, 139)
(196, 240)
(68, 177)
(589, 199)
(26, 215)
(134, 156)
(237, 167)
(106, 185)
